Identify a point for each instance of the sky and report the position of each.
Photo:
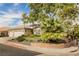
(11, 14)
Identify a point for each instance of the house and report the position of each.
(3, 32)
(19, 30)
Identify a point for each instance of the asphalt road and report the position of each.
(11, 51)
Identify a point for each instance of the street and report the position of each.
(8, 48)
(11, 51)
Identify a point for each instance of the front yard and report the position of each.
(46, 40)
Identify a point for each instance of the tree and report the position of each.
(24, 19)
(75, 34)
(54, 17)
(49, 12)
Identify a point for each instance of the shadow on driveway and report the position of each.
(12, 51)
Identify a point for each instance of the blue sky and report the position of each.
(10, 13)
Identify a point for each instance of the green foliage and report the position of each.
(29, 38)
(63, 10)
(20, 38)
(51, 26)
(53, 19)
(24, 18)
(75, 32)
(34, 36)
(54, 36)
(68, 11)
(51, 16)
(46, 36)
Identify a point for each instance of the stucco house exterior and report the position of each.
(19, 30)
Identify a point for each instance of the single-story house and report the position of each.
(19, 30)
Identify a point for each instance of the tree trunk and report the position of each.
(24, 28)
(77, 43)
(33, 26)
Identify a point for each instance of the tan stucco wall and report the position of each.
(16, 33)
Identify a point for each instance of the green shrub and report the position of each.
(29, 38)
(47, 36)
(21, 38)
(33, 38)
(75, 32)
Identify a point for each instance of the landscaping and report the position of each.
(47, 40)
(57, 23)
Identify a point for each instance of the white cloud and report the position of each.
(11, 15)
(8, 16)
(16, 4)
(2, 12)
(3, 22)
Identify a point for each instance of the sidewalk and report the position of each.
(45, 51)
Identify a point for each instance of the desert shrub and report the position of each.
(33, 38)
(28, 38)
(21, 38)
(47, 37)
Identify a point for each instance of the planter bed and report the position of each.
(43, 45)
(48, 45)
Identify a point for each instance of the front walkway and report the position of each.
(42, 51)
